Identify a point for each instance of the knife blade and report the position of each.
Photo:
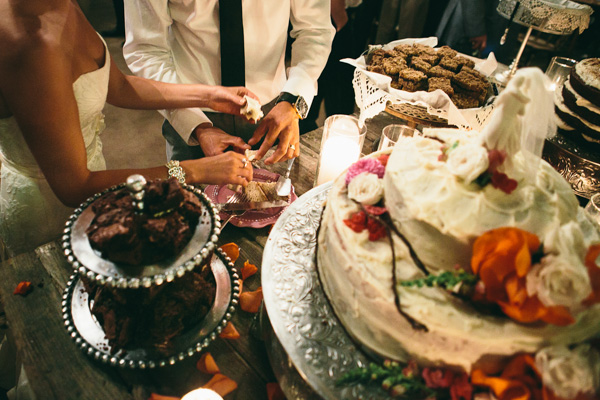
(252, 205)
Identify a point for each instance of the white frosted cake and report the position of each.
(482, 212)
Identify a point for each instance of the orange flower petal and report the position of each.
(232, 250)
(206, 364)
(221, 384)
(248, 270)
(241, 282)
(558, 315)
(23, 288)
(229, 332)
(594, 273)
(274, 391)
(520, 380)
(154, 396)
(250, 301)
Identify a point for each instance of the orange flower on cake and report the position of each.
(530, 282)
(554, 373)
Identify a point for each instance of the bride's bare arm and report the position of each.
(130, 91)
(37, 87)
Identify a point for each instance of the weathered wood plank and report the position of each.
(54, 366)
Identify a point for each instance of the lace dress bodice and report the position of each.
(30, 213)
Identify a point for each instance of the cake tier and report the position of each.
(357, 277)
(585, 79)
(441, 216)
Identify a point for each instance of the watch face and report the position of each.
(301, 107)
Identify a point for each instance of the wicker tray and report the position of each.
(416, 115)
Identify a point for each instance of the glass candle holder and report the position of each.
(558, 71)
(391, 133)
(341, 146)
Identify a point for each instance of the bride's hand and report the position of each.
(229, 167)
(229, 99)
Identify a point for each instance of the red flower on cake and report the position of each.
(458, 383)
(501, 181)
(360, 220)
(437, 378)
(502, 258)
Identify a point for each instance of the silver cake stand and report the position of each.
(557, 17)
(312, 348)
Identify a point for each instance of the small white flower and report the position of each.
(559, 280)
(569, 372)
(468, 161)
(366, 188)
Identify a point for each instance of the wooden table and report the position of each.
(58, 369)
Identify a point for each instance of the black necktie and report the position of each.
(233, 66)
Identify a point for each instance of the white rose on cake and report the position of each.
(468, 161)
(569, 372)
(559, 281)
(366, 188)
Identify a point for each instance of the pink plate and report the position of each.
(250, 219)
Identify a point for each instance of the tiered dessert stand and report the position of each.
(557, 17)
(83, 327)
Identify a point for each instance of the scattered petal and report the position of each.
(250, 301)
(206, 364)
(154, 396)
(229, 332)
(241, 282)
(23, 288)
(274, 391)
(232, 250)
(221, 384)
(248, 270)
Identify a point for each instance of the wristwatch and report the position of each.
(297, 102)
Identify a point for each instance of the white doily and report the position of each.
(373, 91)
(552, 16)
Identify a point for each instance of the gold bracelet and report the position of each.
(175, 171)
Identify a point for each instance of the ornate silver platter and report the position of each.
(303, 321)
(581, 168)
(88, 262)
(89, 335)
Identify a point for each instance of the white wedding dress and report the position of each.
(30, 213)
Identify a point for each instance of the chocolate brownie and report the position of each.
(440, 83)
(464, 100)
(152, 317)
(168, 222)
(465, 62)
(440, 72)
(446, 51)
(450, 64)
(419, 64)
(393, 66)
(411, 86)
(410, 74)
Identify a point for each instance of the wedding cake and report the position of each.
(463, 251)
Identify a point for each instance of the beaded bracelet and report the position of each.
(175, 171)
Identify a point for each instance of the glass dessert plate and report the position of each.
(88, 335)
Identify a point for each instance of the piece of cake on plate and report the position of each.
(466, 258)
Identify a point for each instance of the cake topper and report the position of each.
(523, 119)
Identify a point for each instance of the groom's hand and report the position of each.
(215, 141)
